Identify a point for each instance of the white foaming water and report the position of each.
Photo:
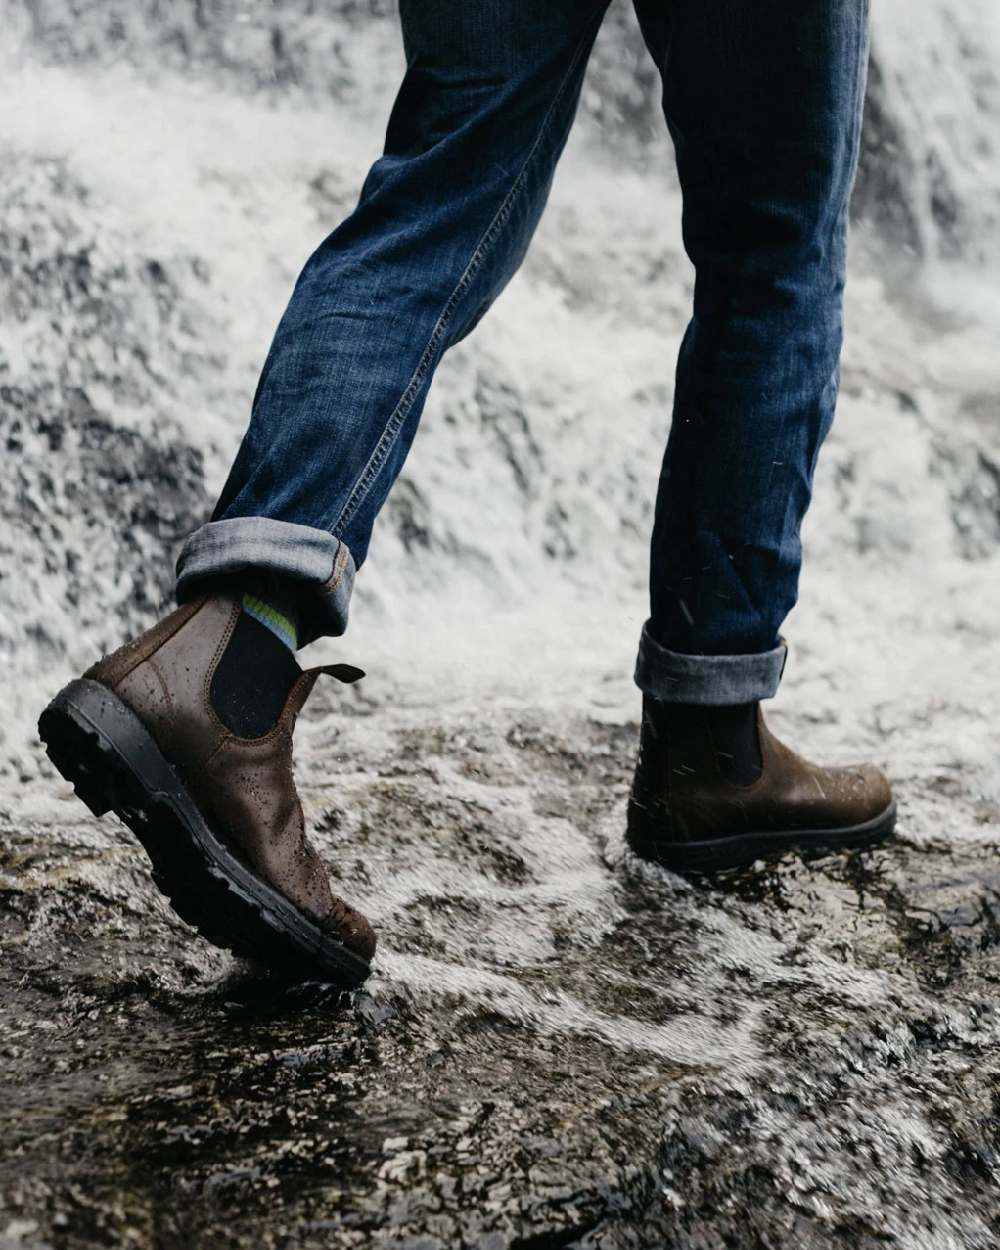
(939, 66)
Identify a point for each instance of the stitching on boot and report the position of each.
(141, 655)
(231, 739)
(206, 689)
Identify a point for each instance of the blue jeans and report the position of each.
(763, 99)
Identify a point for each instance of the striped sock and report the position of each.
(275, 608)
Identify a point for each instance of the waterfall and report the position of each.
(169, 168)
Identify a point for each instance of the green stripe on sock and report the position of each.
(277, 622)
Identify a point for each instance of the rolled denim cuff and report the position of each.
(709, 680)
(314, 557)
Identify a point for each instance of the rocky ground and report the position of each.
(560, 1046)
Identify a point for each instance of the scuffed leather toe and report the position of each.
(874, 791)
(352, 928)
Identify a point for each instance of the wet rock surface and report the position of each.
(560, 1046)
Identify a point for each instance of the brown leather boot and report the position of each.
(688, 813)
(218, 814)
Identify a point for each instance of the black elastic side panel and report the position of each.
(252, 680)
(737, 745)
(700, 737)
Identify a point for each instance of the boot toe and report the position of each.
(349, 926)
(869, 792)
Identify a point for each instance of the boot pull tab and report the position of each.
(307, 679)
(343, 672)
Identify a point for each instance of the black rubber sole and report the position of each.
(99, 745)
(740, 850)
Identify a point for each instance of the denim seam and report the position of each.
(860, 91)
(406, 401)
(337, 574)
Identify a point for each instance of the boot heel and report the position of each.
(644, 831)
(76, 752)
(96, 799)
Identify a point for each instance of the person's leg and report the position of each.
(187, 731)
(444, 219)
(763, 100)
